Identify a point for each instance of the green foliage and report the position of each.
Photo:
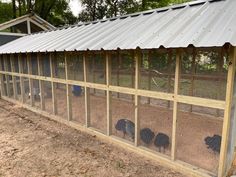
(5, 12)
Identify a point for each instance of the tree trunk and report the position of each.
(14, 8)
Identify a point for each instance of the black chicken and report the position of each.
(146, 135)
(162, 140)
(126, 126)
(213, 143)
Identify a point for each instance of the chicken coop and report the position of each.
(160, 83)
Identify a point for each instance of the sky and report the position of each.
(75, 6)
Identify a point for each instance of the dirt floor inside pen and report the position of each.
(32, 145)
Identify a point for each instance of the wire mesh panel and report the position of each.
(24, 63)
(7, 63)
(34, 64)
(123, 125)
(204, 73)
(158, 70)
(61, 103)
(47, 91)
(96, 68)
(78, 104)
(26, 92)
(4, 93)
(123, 69)
(18, 89)
(36, 93)
(155, 126)
(75, 67)
(198, 139)
(2, 63)
(15, 63)
(44, 63)
(58, 61)
(98, 111)
(9, 86)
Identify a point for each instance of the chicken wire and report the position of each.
(198, 139)
(44, 63)
(26, 92)
(78, 104)
(36, 94)
(123, 69)
(47, 90)
(96, 68)
(58, 62)
(75, 67)
(155, 126)
(122, 113)
(61, 100)
(98, 111)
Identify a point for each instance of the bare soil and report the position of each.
(32, 145)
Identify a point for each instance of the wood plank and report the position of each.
(22, 84)
(68, 91)
(7, 76)
(3, 91)
(227, 113)
(175, 106)
(13, 77)
(41, 82)
(136, 96)
(109, 94)
(54, 99)
(29, 66)
(86, 92)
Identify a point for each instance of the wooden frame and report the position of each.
(136, 92)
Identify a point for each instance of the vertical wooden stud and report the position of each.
(193, 65)
(175, 107)
(86, 92)
(31, 87)
(3, 91)
(7, 76)
(169, 74)
(136, 97)
(227, 113)
(149, 74)
(109, 94)
(41, 83)
(118, 72)
(22, 84)
(68, 90)
(52, 69)
(13, 77)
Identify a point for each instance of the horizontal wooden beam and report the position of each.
(211, 103)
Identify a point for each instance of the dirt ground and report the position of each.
(32, 145)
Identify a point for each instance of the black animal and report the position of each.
(126, 126)
(162, 140)
(213, 143)
(146, 135)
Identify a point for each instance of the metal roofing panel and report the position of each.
(204, 23)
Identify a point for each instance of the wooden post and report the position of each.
(175, 108)
(109, 94)
(68, 91)
(13, 77)
(93, 69)
(86, 92)
(41, 83)
(22, 84)
(54, 99)
(133, 71)
(192, 76)
(227, 113)
(118, 72)
(169, 74)
(7, 76)
(149, 74)
(136, 98)
(29, 66)
(3, 91)
(219, 71)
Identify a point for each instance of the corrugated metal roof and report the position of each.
(205, 23)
